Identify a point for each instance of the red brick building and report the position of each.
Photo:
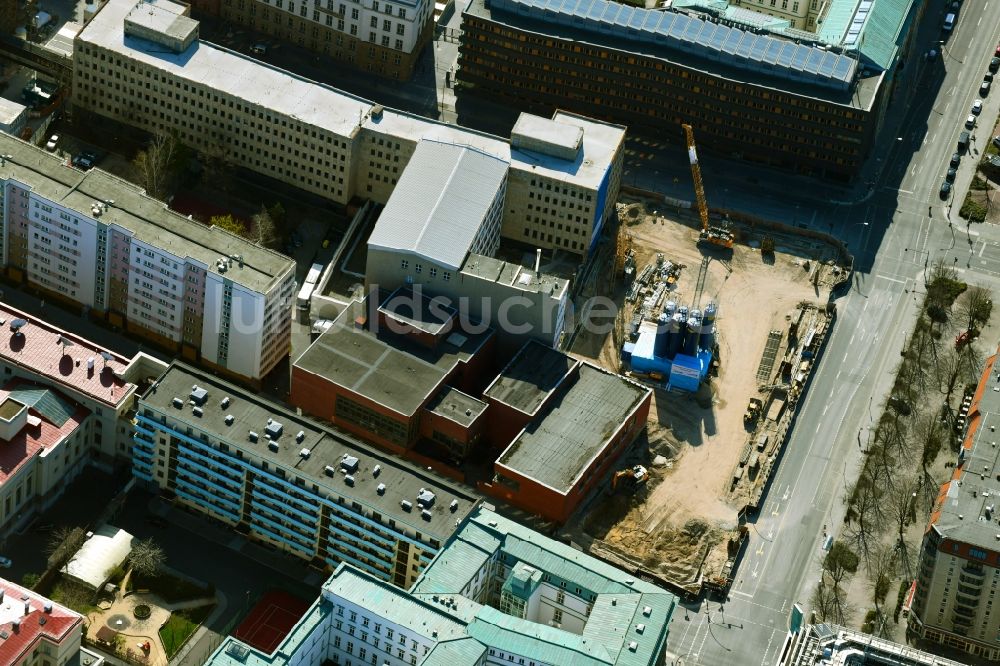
(392, 373)
(571, 422)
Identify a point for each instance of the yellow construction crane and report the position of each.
(709, 234)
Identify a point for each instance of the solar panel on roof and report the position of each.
(679, 30)
(826, 67)
(771, 54)
(813, 60)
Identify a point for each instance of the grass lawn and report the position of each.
(180, 626)
(73, 596)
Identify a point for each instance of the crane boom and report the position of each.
(717, 235)
(699, 188)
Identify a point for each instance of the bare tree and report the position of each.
(158, 164)
(830, 604)
(62, 544)
(146, 558)
(881, 572)
(217, 166)
(975, 307)
(264, 231)
(866, 522)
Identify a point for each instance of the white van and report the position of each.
(949, 22)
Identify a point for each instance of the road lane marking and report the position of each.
(982, 249)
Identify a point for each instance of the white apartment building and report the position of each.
(560, 189)
(92, 239)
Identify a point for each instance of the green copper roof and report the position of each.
(53, 407)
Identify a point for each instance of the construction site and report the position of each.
(725, 322)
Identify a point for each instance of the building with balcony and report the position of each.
(562, 426)
(93, 240)
(498, 593)
(833, 645)
(283, 480)
(563, 175)
(958, 575)
(754, 88)
(394, 370)
(378, 36)
(37, 630)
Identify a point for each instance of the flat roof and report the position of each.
(457, 406)
(558, 446)
(383, 367)
(9, 110)
(966, 508)
(148, 219)
(232, 74)
(547, 131)
(530, 377)
(37, 349)
(327, 447)
(163, 17)
(440, 202)
(513, 275)
(417, 311)
(539, 21)
(588, 170)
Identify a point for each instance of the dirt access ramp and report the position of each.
(678, 525)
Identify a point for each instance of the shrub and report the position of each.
(142, 612)
(973, 210)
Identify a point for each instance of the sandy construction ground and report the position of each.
(682, 512)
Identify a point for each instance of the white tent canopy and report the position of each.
(106, 548)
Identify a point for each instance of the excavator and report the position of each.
(629, 479)
(714, 235)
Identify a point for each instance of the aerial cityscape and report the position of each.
(491, 332)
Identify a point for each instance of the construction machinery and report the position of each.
(753, 411)
(629, 479)
(734, 549)
(715, 235)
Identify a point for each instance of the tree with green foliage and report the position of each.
(840, 562)
(229, 223)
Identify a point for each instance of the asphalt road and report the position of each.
(898, 229)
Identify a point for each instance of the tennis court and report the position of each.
(270, 620)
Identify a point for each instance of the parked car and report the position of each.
(53, 140)
(956, 158)
(970, 122)
(994, 64)
(988, 77)
(945, 189)
(5, 562)
(977, 107)
(996, 141)
(950, 175)
(984, 89)
(260, 48)
(85, 160)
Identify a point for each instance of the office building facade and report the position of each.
(377, 36)
(327, 142)
(749, 95)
